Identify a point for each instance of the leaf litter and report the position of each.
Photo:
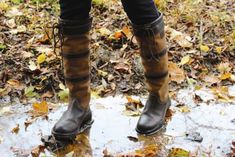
(200, 53)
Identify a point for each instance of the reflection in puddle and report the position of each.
(80, 147)
(151, 146)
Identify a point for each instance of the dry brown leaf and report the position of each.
(48, 94)
(176, 73)
(16, 129)
(182, 39)
(122, 66)
(212, 79)
(37, 151)
(14, 83)
(224, 67)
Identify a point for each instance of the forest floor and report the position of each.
(201, 43)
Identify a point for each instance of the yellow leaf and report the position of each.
(218, 50)
(41, 58)
(185, 60)
(104, 31)
(3, 6)
(204, 48)
(178, 152)
(225, 76)
(102, 73)
(232, 78)
(41, 108)
(184, 109)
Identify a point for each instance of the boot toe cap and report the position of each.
(59, 128)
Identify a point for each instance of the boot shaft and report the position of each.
(153, 52)
(76, 59)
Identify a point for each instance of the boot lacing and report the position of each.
(58, 38)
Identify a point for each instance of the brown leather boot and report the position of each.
(76, 64)
(151, 39)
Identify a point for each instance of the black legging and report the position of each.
(138, 11)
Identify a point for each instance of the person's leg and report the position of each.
(75, 9)
(140, 11)
(148, 27)
(74, 26)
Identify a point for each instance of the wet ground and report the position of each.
(204, 129)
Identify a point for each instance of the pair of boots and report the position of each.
(75, 53)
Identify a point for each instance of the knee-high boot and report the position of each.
(151, 39)
(76, 65)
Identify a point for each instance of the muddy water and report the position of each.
(111, 129)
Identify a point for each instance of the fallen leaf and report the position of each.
(64, 94)
(184, 109)
(28, 122)
(37, 151)
(14, 83)
(104, 31)
(182, 39)
(4, 6)
(16, 129)
(62, 86)
(176, 74)
(122, 67)
(222, 93)
(32, 66)
(29, 92)
(41, 108)
(127, 32)
(225, 76)
(118, 35)
(204, 48)
(218, 50)
(41, 58)
(212, 79)
(102, 73)
(185, 60)
(148, 151)
(48, 94)
(224, 67)
(133, 107)
(178, 152)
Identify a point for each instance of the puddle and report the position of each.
(114, 133)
